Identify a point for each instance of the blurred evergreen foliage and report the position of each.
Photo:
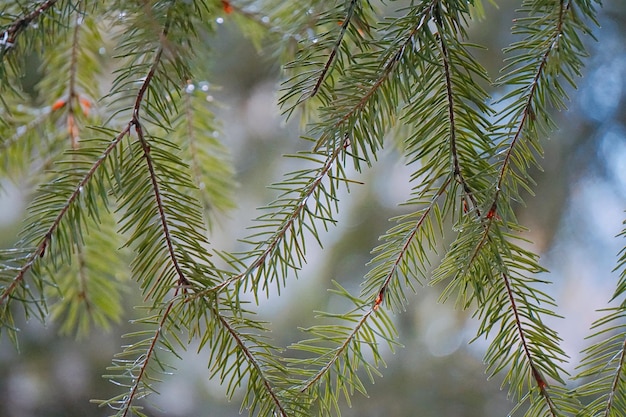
(141, 133)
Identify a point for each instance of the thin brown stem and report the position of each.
(336, 46)
(239, 340)
(9, 36)
(536, 374)
(456, 165)
(41, 247)
(619, 374)
(147, 356)
(182, 279)
(339, 350)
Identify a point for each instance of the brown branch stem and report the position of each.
(40, 249)
(182, 280)
(335, 50)
(536, 374)
(252, 360)
(337, 352)
(619, 374)
(456, 165)
(9, 36)
(138, 379)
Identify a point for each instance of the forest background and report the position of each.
(573, 219)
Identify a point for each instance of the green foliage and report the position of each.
(129, 178)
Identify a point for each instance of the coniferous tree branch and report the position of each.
(240, 353)
(310, 188)
(337, 34)
(341, 350)
(404, 253)
(288, 229)
(604, 362)
(137, 370)
(240, 341)
(331, 57)
(41, 247)
(532, 102)
(182, 279)
(9, 36)
(341, 122)
(337, 355)
(45, 240)
(536, 374)
(363, 78)
(445, 59)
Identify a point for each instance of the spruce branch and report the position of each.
(272, 243)
(337, 356)
(138, 378)
(604, 362)
(240, 341)
(45, 239)
(182, 280)
(134, 363)
(335, 49)
(40, 249)
(530, 357)
(458, 174)
(469, 253)
(394, 58)
(404, 245)
(613, 402)
(340, 351)
(9, 36)
(530, 107)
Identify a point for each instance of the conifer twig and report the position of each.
(238, 338)
(619, 374)
(536, 374)
(528, 108)
(492, 216)
(9, 36)
(147, 356)
(527, 114)
(333, 53)
(408, 239)
(458, 174)
(40, 250)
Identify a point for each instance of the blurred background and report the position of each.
(573, 220)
